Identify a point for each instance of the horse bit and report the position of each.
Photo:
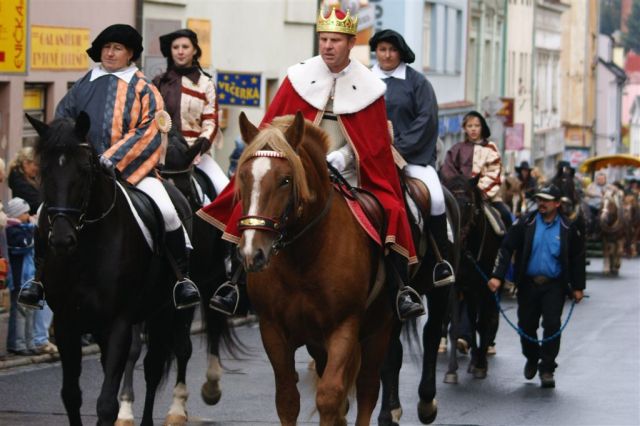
(55, 212)
(278, 226)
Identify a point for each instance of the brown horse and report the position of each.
(513, 195)
(313, 273)
(612, 231)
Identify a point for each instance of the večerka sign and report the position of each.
(238, 89)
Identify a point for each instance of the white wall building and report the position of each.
(518, 74)
(548, 139)
(610, 82)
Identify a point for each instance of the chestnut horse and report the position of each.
(313, 273)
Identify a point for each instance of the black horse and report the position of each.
(437, 302)
(207, 269)
(479, 245)
(99, 274)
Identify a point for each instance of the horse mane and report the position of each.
(312, 149)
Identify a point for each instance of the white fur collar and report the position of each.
(355, 90)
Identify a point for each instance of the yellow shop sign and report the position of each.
(59, 48)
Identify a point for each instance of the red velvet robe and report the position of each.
(368, 134)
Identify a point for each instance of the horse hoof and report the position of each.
(390, 418)
(427, 411)
(211, 392)
(451, 378)
(479, 373)
(175, 420)
(123, 422)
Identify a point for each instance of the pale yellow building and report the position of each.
(578, 63)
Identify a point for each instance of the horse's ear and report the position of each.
(295, 132)
(83, 123)
(40, 126)
(474, 181)
(247, 129)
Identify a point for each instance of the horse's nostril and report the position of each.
(259, 259)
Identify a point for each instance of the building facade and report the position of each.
(519, 78)
(548, 134)
(610, 83)
(578, 64)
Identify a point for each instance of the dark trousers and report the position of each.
(546, 301)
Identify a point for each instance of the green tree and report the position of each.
(631, 39)
(609, 16)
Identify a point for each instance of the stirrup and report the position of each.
(445, 281)
(187, 305)
(231, 285)
(40, 303)
(414, 296)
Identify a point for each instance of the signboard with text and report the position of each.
(238, 89)
(506, 111)
(59, 48)
(13, 36)
(514, 137)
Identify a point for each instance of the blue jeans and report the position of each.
(20, 334)
(41, 323)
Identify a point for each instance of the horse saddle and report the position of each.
(366, 208)
(493, 217)
(418, 192)
(203, 186)
(147, 215)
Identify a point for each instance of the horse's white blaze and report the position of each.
(259, 169)
(214, 370)
(126, 410)
(179, 404)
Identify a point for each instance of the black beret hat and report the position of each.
(167, 39)
(390, 36)
(117, 33)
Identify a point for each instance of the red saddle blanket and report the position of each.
(362, 218)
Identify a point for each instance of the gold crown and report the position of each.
(348, 25)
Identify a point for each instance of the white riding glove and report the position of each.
(337, 160)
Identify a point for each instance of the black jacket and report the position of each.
(519, 239)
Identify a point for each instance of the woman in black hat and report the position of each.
(529, 182)
(190, 98)
(123, 105)
(412, 108)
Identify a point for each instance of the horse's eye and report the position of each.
(285, 181)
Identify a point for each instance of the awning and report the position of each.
(617, 160)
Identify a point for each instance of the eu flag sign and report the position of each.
(239, 89)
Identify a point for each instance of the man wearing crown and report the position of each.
(344, 98)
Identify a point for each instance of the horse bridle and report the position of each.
(57, 212)
(464, 231)
(279, 225)
(197, 201)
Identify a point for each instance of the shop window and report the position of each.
(33, 103)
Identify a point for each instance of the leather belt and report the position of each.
(541, 279)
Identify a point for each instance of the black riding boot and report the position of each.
(443, 271)
(185, 292)
(408, 302)
(226, 297)
(31, 294)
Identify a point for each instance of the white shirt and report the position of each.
(124, 74)
(400, 72)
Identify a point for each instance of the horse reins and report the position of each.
(56, 212)
(278, 226)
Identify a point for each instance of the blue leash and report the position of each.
(504, 315)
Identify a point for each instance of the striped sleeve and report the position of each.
(489, 181)
(209, 117)
(135, 146)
